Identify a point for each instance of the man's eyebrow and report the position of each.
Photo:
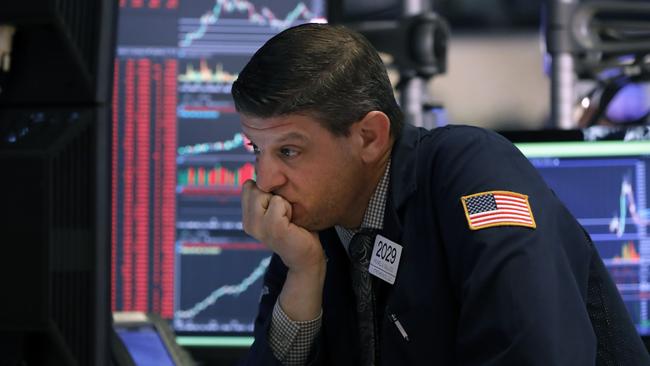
(284, 138)
(292, 136)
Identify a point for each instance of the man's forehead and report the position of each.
(262, 124)
(272, 129)
(259, 123)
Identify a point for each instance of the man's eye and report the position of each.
(287, 152)
(256, 150)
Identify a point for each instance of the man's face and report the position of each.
(318, 173)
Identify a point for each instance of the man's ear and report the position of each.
(373, 133)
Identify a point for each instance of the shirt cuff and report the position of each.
(291, 341)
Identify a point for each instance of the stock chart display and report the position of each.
(605, 186)
(179, 159)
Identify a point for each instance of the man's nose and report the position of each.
(269, 174)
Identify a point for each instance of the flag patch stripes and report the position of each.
(497, 208)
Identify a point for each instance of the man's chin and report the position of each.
(303, 223)
(308, 223)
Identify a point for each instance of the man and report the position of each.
(450, 281)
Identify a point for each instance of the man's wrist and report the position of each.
(302, 293)
(314, 270)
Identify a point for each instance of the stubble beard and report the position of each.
(321, 219)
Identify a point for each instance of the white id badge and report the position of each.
(385, 259)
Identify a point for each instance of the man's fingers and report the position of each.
(253, 195)
(254, 204)
(278, 208)
(285, 207)
(247, 189)
(276, 218)
(247, 193)
(264, 200)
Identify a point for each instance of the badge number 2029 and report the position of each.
(386, 252)
(385, 259)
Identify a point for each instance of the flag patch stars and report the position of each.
(497, 208)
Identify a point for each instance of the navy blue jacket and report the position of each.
(503, 295)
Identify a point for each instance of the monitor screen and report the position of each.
(179, 160)
(605, 185)
(144, 345)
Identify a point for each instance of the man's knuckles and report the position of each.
(248, 185)
(274, 228)
(277, 202)
(250, 229)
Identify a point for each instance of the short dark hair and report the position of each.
(324, 71)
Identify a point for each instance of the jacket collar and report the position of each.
(403, 165)
(402, 179)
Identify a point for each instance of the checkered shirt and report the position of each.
(292, 341)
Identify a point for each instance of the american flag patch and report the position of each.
(497, 208)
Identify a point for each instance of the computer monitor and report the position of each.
(605, 185)
(179, 160)
(145, 345)
(148, 340)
